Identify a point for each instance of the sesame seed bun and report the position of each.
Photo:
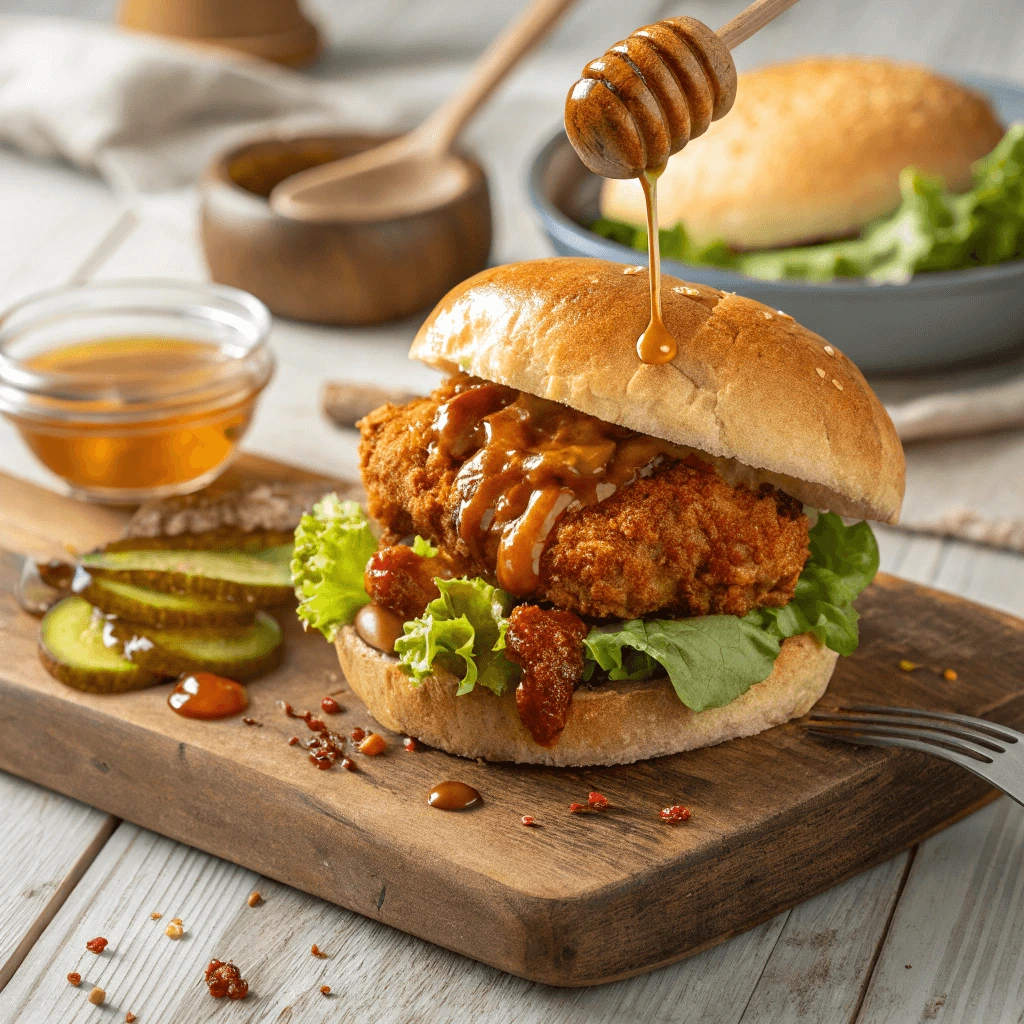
(813, 149)
(767, 399)
(616, 723)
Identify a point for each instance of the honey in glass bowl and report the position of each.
(134, 390)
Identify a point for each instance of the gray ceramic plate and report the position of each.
(934, 319)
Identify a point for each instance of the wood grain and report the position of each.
(556, 904)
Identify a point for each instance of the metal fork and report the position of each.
(994, 752)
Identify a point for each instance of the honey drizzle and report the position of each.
(656, 344)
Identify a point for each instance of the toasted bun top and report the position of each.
(770, 399)
(813, 150)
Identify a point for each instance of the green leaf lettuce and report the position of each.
(333, 543)
(463, 631)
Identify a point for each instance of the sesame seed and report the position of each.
(786, 315)
(683, 290)
(839, 387)
(633, 270)
(767, 316)
(819, 371)
(829, 350)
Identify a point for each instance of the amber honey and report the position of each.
(141, 412)
(167, 445)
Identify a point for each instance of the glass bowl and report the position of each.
(130, 390)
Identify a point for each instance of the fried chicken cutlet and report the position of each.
(671, 536)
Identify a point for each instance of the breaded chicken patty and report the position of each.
(677, 539)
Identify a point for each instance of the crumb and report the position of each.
(129, 1018)
(174, 930)
(332, 677)
(96, 996)
(74, 978)
(529, 820)
(577, 808)
(373, 745)
(325, 990)
(318, 952)
(155, 916)
(908, 666)
(96, 945)
(224, 979)
(950, 674)
(674, 814)
(597, 801)
(330, 706)
(907, 966)
(252, 721)
(254, 899)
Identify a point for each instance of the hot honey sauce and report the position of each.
(207, 696)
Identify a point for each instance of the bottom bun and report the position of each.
(614, 723)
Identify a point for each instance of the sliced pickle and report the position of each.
(253, 578)
(73, 648)
(238, 652)
(222, 539)
(155, 608)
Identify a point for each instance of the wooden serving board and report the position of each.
(584, 898)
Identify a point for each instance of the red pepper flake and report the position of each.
(373, 745)
(597, 801)
(318, 952)
(675, 814)
(287, 709)
(293, 740)
(528, 820)
(224, 979)
(577, 808)
(357, 734)
(315, 725)
(96, 945)
(410, 744)
(330, 706)
(129, 1018)
(349, 765)
(74, 978)
(252, 721)
(325, 990)
(323, 763)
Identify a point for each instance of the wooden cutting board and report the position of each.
(580, 900)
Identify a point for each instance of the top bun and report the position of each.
(813, 150)
(771, 400)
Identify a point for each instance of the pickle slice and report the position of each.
(72, 649)
(253, 578)
(222, 539)
(155, 608)
(239, 652)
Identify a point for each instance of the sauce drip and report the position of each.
(525, 462)
(452, 796)
(207, 696)
(379, 627)
(656, 345)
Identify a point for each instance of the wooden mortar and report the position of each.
(334, 272)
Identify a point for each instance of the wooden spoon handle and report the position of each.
(442, 128)
(750, 20)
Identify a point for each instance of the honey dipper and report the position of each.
(648, 95)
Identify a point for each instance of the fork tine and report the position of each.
(1000, 732)
(977, 767)
(959, 732)
(927, 738)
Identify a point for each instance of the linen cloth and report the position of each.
(147, 114)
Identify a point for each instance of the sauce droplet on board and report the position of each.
(207, 696)
(656, 345)
(379, 627)
(452, 796)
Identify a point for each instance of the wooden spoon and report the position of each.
(417, 171)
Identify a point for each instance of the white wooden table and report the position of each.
(935, 934)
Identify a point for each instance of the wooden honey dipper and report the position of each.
(642, 101)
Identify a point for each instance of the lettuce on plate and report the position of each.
(333, 543)
(462, 631)
(931, 229)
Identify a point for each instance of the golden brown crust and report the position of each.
(612, 724)
(813, 149)
(772, 401)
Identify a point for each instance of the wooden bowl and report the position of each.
(335, 272)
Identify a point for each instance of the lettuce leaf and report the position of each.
(463, 631)
(844, 560)
(931, 229)
(710, 660)
(333, 543)
(422, 546)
